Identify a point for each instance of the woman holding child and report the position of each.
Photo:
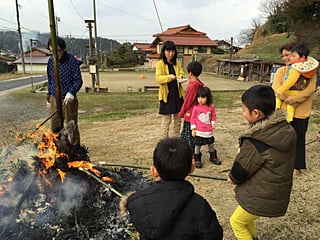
(302, 102)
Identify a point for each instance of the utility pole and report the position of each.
(57, 20)
(20, 37)
(95, 43)
(32, 43)
(91, 60)
(231, 48)
(230, 56)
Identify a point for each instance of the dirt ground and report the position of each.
(132, 140)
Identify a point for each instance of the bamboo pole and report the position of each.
(53, 41)
(214, 177)
(102, 182)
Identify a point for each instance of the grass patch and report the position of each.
(107, 106)
(108, 116)
(315, 120)
(227, 99)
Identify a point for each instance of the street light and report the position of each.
(32, 42)
(57, 20)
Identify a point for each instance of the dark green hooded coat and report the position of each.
(263, 168)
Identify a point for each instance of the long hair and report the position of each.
(60, 42)
(205, 92)
(169, 45)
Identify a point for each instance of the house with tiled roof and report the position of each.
(142, 50)
(191, 44)
(35, 60)
(226, 46)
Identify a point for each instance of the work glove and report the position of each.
(48, 105)
(67, 98)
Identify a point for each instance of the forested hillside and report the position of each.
(288, 20)
(9, 41)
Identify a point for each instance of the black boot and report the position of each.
(214, 158)
(197, 160)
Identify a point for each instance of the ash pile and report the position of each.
(59, 194)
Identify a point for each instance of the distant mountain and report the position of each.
(9, 41)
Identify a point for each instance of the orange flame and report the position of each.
(62, 174)
(2, 190)
(107, 179)
(48, 153)
(84, 164)
(90, 167)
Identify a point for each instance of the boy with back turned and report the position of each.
(170, 209)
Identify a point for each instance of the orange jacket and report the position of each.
(303, 97)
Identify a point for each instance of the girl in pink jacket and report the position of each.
(203, 119)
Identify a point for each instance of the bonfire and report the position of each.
(53, 191)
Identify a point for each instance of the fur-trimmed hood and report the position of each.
(123, 211)
(271, 131)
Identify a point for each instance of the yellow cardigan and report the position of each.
(162, 77)
(303, 97)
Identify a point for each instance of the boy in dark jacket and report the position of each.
(263, 168)
(169, 208)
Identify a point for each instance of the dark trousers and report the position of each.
(300, 126)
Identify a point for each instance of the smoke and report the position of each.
(71, 196)
(29, 38)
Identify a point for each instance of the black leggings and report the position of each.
(300, 126)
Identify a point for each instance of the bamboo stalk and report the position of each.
(223, 178)
(102, 182)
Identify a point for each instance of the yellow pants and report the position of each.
(242, 224)
(290, 108)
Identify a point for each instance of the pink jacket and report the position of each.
(202, 118)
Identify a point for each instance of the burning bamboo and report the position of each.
(102, 182)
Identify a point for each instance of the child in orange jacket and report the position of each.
(302, 69)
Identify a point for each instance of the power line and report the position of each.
(25, 28)
(76, 10)
(123, 11)
(37, 12)
(5, 20)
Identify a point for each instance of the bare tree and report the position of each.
(269, 7)
(246, 35)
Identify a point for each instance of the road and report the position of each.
(8, 85)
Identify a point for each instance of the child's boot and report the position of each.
(214, 157)
(197, 158)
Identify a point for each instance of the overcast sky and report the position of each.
(133, 20)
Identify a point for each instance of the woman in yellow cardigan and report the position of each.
(170, 75)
